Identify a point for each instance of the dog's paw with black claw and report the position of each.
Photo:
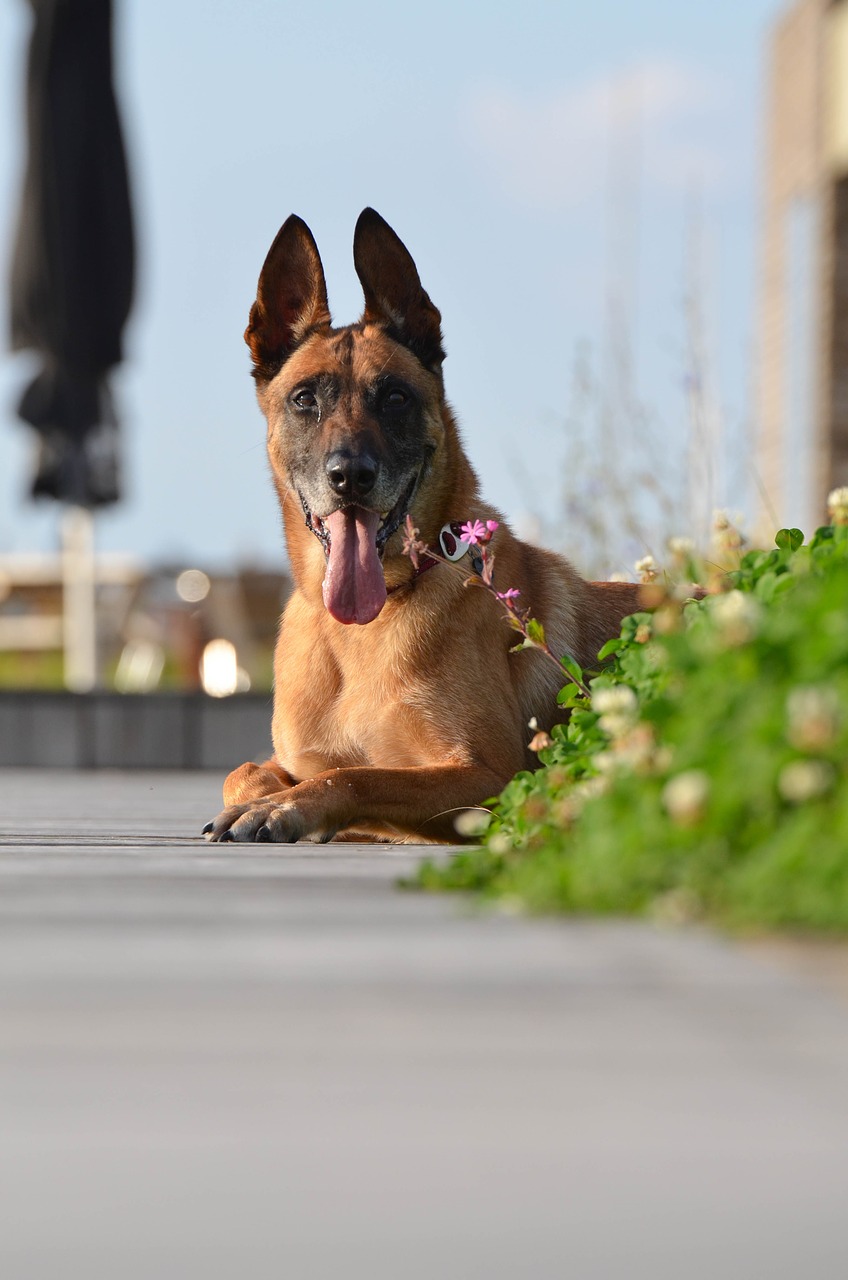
(262, 822)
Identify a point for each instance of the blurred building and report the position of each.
(169, 627)
(803, 393)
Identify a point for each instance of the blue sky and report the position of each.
(538, 160)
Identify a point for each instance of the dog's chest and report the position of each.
(374, 709)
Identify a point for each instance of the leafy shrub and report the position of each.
(707, 772)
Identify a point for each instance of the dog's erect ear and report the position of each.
(393, 292)
(291, 299)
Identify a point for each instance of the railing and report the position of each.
(75, 573)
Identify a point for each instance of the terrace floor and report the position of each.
(221, 1061)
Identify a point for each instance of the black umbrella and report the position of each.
(72, 272)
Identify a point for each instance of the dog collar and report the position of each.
(452, 546)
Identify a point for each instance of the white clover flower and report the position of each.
(685, 796)
(733, 604)
(726, 535)
(805, 780)
(646, 569)
(618, 699)
(588, 788)
(737, 616)
(632, 749)
(565, 810)
(615, 726)
(472, 822)
(812, 713)
(837, 505)
(618, 577)
(682, 547)
(617, 709)
(636, 748)
(663, 759)
(604, 761)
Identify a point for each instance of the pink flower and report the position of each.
(474, 532)
(509, 594)
(412, 546)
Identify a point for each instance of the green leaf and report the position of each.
(789, 539)
(611, 646)
(535, 631)
(573, 669)
(824, 534)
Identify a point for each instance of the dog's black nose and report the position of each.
(352, 475)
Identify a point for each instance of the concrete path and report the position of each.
(269, 1062)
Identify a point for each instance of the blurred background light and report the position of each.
(193, 585)
(219, 673)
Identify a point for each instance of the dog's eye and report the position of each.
(305, 400)
(395, 399)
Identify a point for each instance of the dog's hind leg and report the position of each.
(253, 781)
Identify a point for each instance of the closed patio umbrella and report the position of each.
(73, 257)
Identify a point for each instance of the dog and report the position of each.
(398, 702)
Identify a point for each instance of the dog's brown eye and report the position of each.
(305, 400)
(395, 399)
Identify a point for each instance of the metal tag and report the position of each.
(452, 547)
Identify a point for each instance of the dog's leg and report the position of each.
(253, 781)
(421, 801)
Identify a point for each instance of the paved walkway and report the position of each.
(268, 1062)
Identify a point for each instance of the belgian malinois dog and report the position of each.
(397, 700)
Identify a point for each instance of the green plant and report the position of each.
(706, 772)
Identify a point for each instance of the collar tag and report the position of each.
(450, 543)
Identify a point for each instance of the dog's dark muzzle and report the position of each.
(390, 521)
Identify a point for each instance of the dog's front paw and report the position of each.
(274, 821)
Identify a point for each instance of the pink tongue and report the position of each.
(354, 586)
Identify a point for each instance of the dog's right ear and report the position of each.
(291, 299)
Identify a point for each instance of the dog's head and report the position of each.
(354, 414)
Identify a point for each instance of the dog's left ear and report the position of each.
(291, 299)
(394, 295)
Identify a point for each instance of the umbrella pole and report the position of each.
(78, 603)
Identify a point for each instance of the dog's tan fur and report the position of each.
(393, 727)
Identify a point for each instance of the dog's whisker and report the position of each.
(385, 364)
